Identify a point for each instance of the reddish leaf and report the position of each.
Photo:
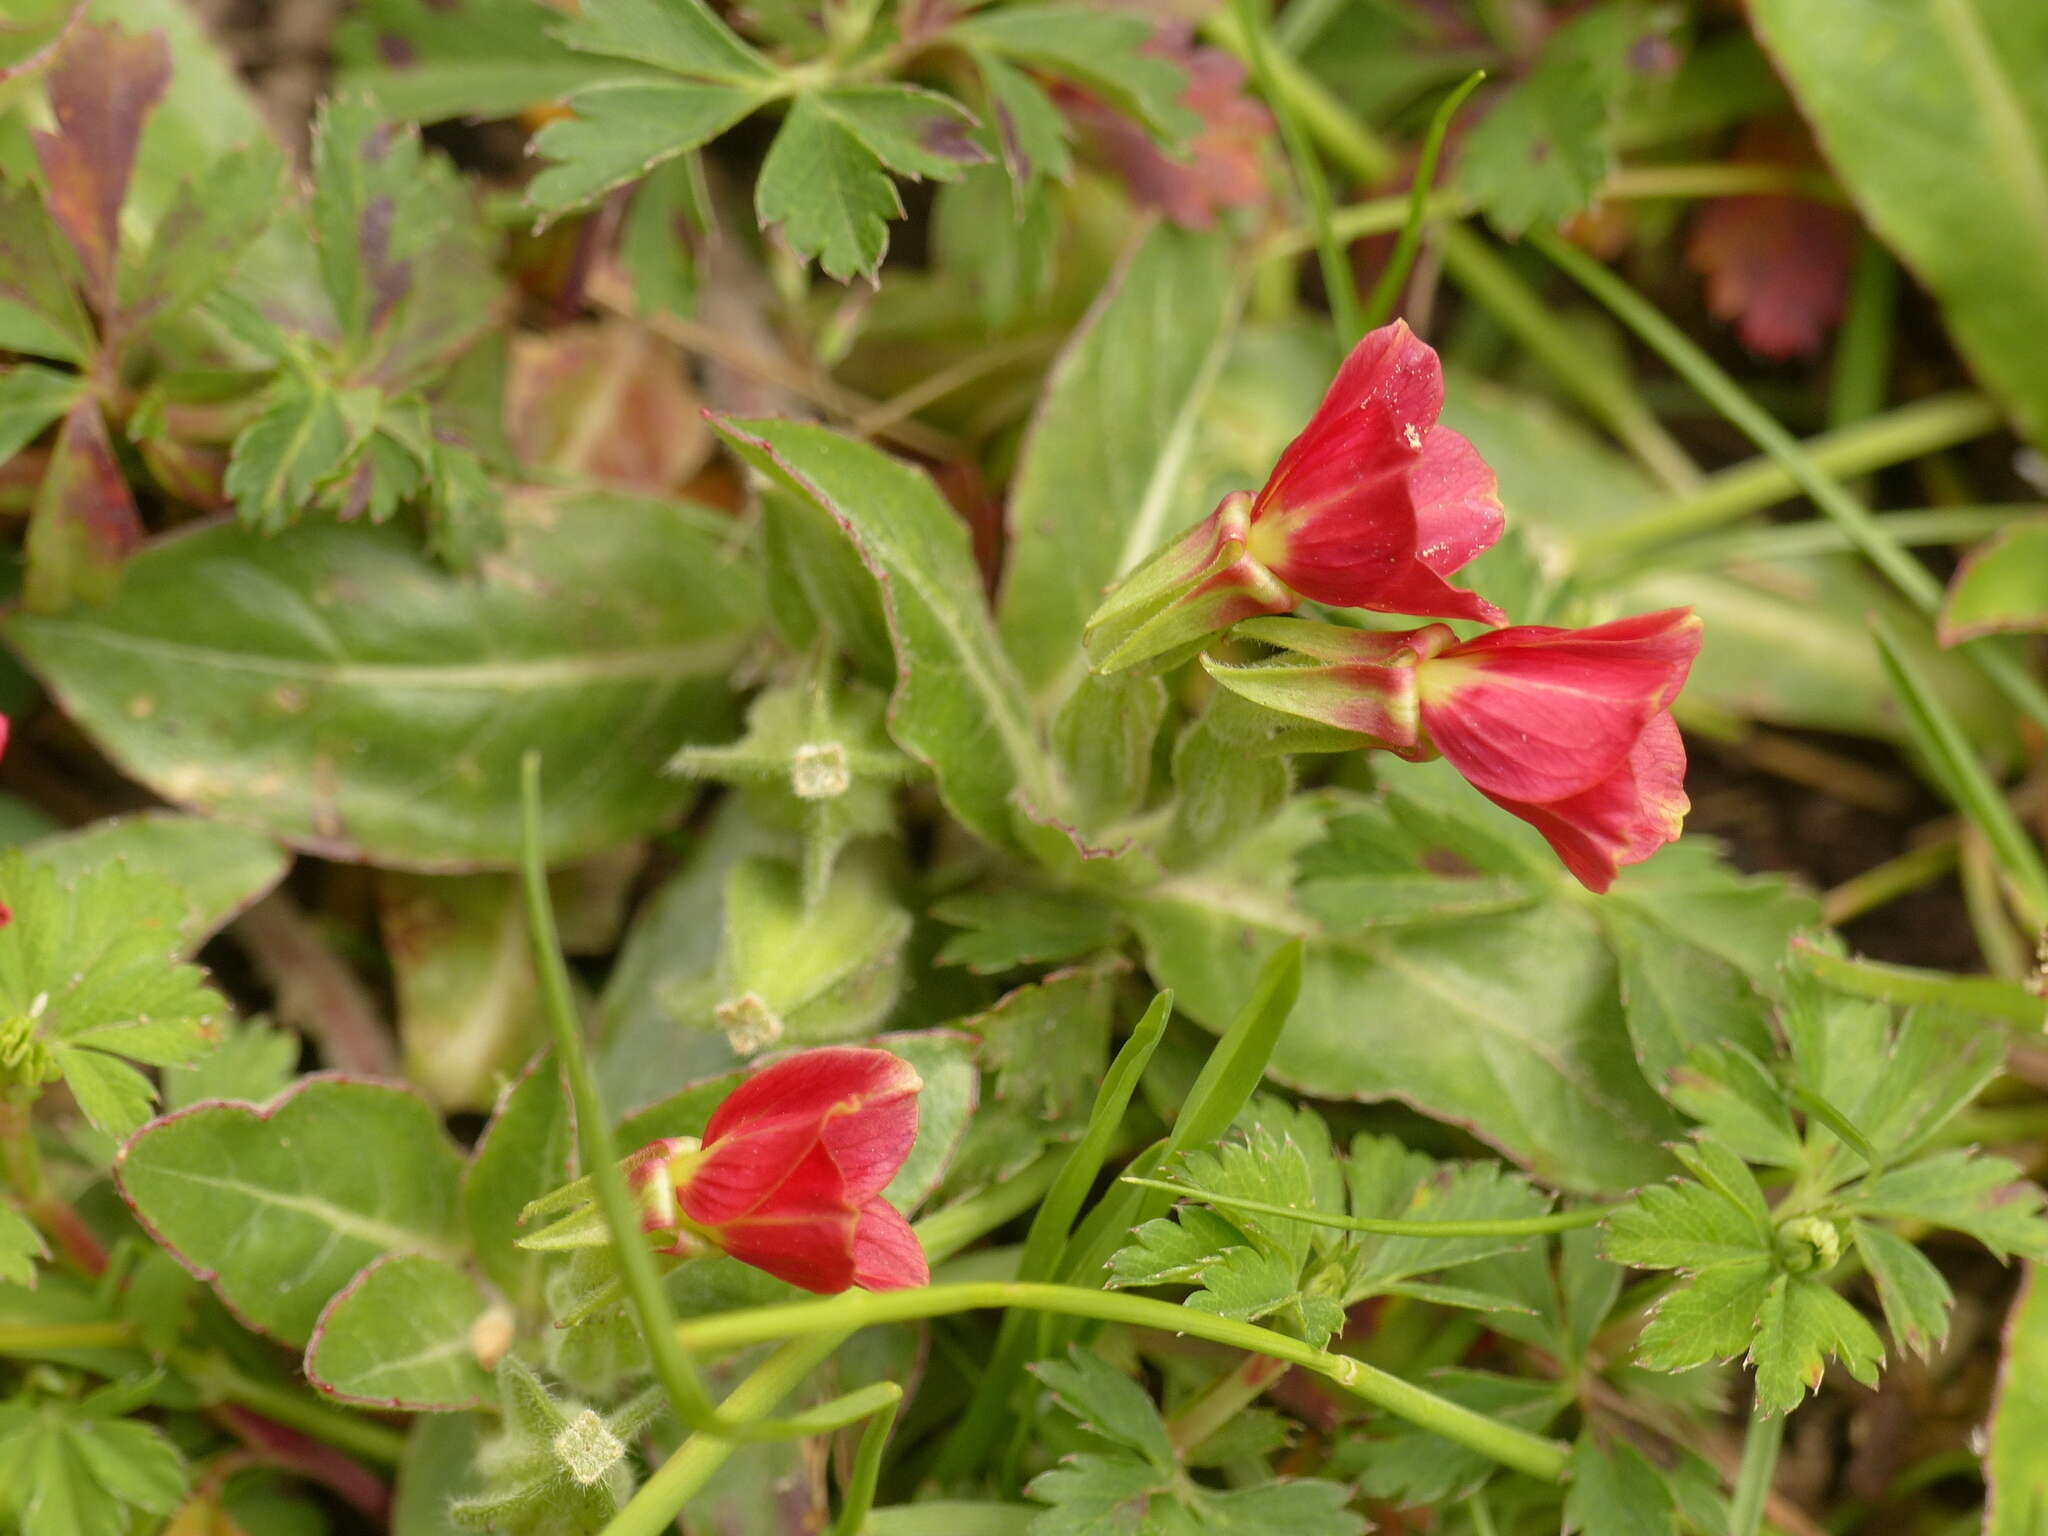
(1776, 266)
(84, 523)
(608, 401)
(103, 85)
(1222, 168)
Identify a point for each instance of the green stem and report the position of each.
(1513, 1226)
(867, 1471)
(1817, 536)
(1606, 392)
(1226, 1397)
(1338, 283)
(31, 1339)
(1864, 345)
(1380, 304)
(1355, 147)
(1518, 1448)
(1887, 882)
(1720, 179)
(1753, 1480)
(1940, 421)
(337, 1427)
(954, 1517)
(2005, 670)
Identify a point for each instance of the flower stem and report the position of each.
(1511, 1226)
(859, 1497)
(1753, 1479)
(1228, 1396)
(33, 1339)
(346, 1431)
(1518, 1448)
(1338, 282)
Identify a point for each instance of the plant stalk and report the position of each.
(1753, 1479)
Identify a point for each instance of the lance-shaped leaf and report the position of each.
(1939, 137)
(31, 397)
(959, 705)
(39, 313)
(1099, 484)
(622, 131)
(84, 524)
(277, 1208)
(338, 689)
(104, 83)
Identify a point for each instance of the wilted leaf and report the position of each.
(612, 402)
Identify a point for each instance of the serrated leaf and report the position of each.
(89, 976)
(1915, 1297)
(302, 439)
(915, 132)
(1095, 1496)
(31, 397)
(1414, 1468)
(1108, 1403)
(253, 1063)
(1713, 1316)
(397, 1337)
(217, 867)
(278, 1208)
(1801, 1325)
(344, 693)
(429, 60)
(71, 1475)
(1685, 1225)
(958, 705)
(1046, 1045)
(21, 1245)
(84, 523)
(1103, 50)
(1740, 1104)
(1614, 1491)
(623, 131)
(40, 316)
(1987, 1197)
(827, 192)
(1098, 482)
(203, 234)
(1175, 1251)
(1389, 1182)
(679, 35)
(1009, 927)
(1029, 132)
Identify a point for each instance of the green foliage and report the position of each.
(91, 988)
(80, 1469)
(1130, 1479)
(402, 1336)
(556, 1467)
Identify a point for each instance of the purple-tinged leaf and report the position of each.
(84, 523)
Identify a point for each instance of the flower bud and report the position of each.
(790, 1173)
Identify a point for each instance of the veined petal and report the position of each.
(886, 1253)
(1622, 819)
(742, 1171)
(1390, 368)
(841, 1077)
(812, 1249)
(1456, 497)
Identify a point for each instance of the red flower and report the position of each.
(1571, 730)
(790, 1173)
(1372, 506)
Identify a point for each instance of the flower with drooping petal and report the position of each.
(790, 1173)
(1569, 729)
(1374, 505)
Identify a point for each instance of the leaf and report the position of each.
(1525, 1040)
(218, 868)
(1046, 1045)
(622, 131)
(21, 1245)
(31, 397)
(1712, 1317)
(1107, 1403)
(39, 314)
(278, 1208)
(1915, 1297)
(958, 706)
(84, 524)
(397, 1337)
(2000, 588)
(1098, 483)
(1030, 134)
(1009, 927)
(1103, 50)
(102, 86)
(1986, 1197)
(90, 981)
(1543, 152)
(428, 60)
(1716, 1217)
(827, 191)
(338, 689)
(1937, 130)
(439, 1467)
(1616, 1492)
(203, 234)
(1803, 1324)
(72, 1475)
(2016, 1473)
(678, 35)
(945, 1061)
(303, 439)
(253, 1063)
(468, 998)
(528, 1149)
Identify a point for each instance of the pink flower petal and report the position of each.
(1621, 820)
(1456, 496)
(886, 1253)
